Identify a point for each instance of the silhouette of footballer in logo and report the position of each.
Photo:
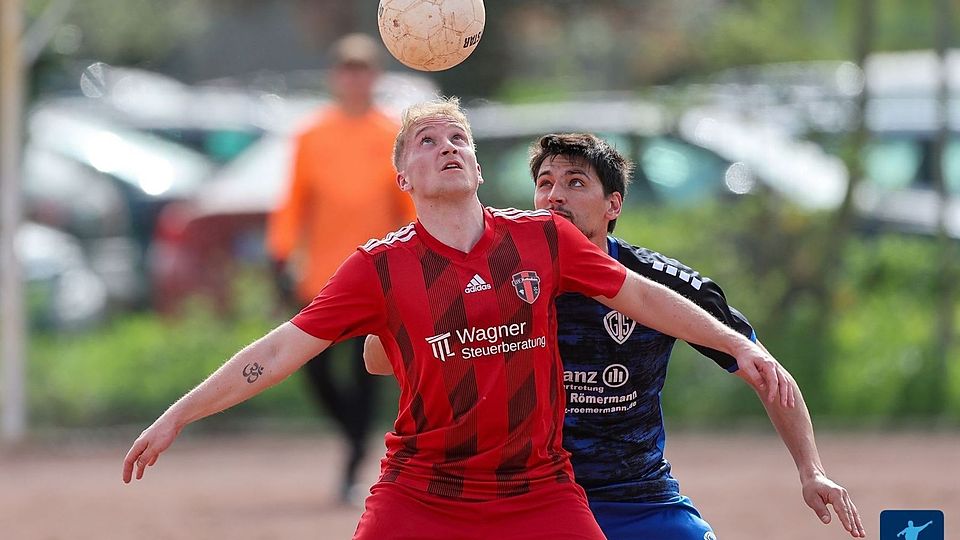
(911, 532)
(900, 525)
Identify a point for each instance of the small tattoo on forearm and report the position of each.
(253, 372)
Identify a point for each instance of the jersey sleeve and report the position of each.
(700, 290)
(736, 320)
(585, 268)
(350, 304)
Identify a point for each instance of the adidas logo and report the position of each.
(477, 284)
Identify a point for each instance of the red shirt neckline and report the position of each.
(453, 253)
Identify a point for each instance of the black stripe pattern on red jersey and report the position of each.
(381, 262)
(550, 232)
(519, 367)
(445, 297)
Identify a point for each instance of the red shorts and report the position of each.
(397, 512)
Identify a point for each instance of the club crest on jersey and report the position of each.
(527, 285)
(619, 326)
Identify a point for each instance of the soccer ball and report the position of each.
(431, 35)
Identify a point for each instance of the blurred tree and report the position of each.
(141, 30)
(761, 31)
(837, 237)
(247, 37)
(561, 47)
(905, 24)
(530, 48)
(946, 275)
(134, 32)
(556, 47)
(743, 32)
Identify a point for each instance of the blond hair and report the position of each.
(443, 108)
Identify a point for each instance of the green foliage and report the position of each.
(873, 364)
(133, 368)
(904, 25)
(752, 32)
(132, 31)
(885, 331)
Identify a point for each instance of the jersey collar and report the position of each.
(455, 254)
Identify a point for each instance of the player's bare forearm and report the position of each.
(375, 357)
(662, 309)
(795, 428)
(257, 367)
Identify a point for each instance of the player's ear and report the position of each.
(614, 206)
(479, 174)
(402, 182)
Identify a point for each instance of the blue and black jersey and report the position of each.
(614, 370)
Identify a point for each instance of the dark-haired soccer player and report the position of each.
(463, 301)
(614, 424)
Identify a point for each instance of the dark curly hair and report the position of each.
(613, 169)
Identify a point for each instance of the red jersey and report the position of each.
(472, 340)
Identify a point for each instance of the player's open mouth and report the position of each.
(452, 165)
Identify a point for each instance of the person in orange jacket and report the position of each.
(342, 193)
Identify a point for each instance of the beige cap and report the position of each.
(356, 49)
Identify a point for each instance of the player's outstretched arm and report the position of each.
(662, 309)
(257, 367)
(795, 428)
(375, 357)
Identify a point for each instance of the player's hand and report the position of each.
(148, 446)
(767, 376)
(819, 491)
(375, 357)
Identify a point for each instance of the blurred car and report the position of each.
(105, 184)
(217, 121)
(222, 118)
(670, 169)
(102, 165)
(797, 170)
(899, 160)
(62, 292)
(199, 243)
(817, 101)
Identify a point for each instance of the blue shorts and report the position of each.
(673, 520)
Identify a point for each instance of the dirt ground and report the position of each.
(266, 487)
